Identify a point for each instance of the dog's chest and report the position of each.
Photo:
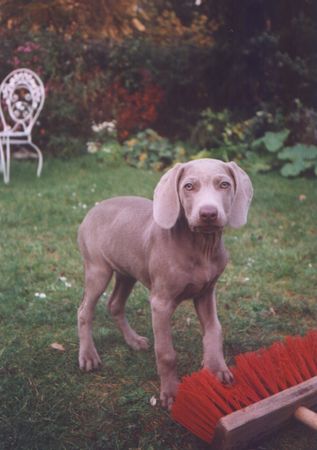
(198, 277)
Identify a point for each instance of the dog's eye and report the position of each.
(189, 186)
(225, 185)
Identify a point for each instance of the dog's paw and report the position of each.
(137, 342)
(168, 393)
(221, 370)
(89, 359)
(225, 376)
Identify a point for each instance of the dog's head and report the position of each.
(209, 193)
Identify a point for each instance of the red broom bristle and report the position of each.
(202, 400)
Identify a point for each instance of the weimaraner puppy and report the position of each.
(173, 246)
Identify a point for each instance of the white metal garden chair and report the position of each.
(22, 97)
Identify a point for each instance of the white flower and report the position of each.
(153, 400)
(95, 127)
(40, 295)
(108, 126)
(92, 147)
(66, 283)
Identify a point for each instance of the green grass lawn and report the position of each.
(267, 291)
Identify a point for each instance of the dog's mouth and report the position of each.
(206, 229)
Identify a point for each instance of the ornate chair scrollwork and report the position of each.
(22, 97)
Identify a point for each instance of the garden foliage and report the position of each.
(217, 74)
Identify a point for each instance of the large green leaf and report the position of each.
(299, 151)
(296, 167)
(272, 141)
(293, 169)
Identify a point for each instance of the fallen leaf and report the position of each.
(138, 25)
(57, 346)
(272, 311)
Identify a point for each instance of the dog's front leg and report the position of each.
(206, 308)
(162, 311)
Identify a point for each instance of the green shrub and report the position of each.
(147, 149)
(264, 50)
(301, 157)
(302, 121)
(65, 146)
(105, 144)
(193, 86)
(219, 136)
(170, 68)
(261, 140)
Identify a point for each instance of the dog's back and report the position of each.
(114, 228)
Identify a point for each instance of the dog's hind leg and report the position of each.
(116, 307)
(97, 279)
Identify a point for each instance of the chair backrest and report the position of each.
(22, 96)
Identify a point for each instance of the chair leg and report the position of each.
(3, 163)
(40, 156)
(7, 161)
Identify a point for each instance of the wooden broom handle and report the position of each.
(306, 416)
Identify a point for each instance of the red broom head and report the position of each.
(202, 399)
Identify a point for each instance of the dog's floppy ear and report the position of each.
(166, 204)
(243, 196)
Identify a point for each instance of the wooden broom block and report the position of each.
(256, 421)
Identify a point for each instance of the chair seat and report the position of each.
(9, 134)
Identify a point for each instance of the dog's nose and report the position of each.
(208, 213)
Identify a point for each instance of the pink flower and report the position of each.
(15, 61)
(28, 47)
